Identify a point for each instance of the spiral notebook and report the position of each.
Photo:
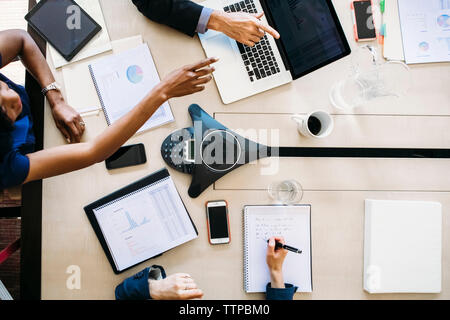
(123, 80)
(141, 221)
(291, 222)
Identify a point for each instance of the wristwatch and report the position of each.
(51, 86)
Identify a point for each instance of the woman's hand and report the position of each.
(178, 286)
(187, 80)
(275, 258)
(68, 121)
(244, 27)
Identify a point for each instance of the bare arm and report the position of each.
(18, 43)
(64, 159)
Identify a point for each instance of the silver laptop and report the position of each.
(311, 37)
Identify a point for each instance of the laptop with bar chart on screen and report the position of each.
(141, 221)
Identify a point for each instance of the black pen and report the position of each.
(279, 245)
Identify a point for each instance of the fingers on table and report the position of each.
(75, 134)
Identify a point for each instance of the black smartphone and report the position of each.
(127, 156)
(364, 26)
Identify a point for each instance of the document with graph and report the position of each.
(425, 26)
(122, 80)
(141, 221)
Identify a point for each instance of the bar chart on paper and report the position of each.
(145, 223)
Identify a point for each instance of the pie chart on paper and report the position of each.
(135, 74)
(444, 21)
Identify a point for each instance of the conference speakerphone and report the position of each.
(209, 150)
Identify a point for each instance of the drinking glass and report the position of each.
(390, 79)
(370, 78)
(286, 192)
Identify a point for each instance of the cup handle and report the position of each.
(297, 119)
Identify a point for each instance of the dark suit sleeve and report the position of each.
(182, 15)
(137, 287)
(286, 293)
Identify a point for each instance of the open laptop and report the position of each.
(311, 37)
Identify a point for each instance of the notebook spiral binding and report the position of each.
(99, 95)
(245, 229)
(131, 194)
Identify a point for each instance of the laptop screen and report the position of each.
(310, 33)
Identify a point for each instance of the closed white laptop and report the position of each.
(402, 247)
(311, 37)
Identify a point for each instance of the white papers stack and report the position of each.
(425, 26)
(393, 45)
(123, 80)
(402, 247)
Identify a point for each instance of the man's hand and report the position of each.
(68, 121)
(178, 286)
(243, 27)
(275, 259)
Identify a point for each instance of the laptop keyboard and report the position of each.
(259, 60)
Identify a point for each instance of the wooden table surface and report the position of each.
(336, 188)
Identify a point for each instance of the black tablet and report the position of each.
(311, 34)
(64, 24)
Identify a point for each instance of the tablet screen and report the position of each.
(64, 25)
(310, 32)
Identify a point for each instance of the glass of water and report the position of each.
(286, 192)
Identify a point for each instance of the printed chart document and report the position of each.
(83, 95)
(100, 43)
(291, 222)
(425, 28)
(123, 80)
(145, 223)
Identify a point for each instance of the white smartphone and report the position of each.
(218, 222)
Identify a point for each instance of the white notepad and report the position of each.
(123, 80)
(393, 45)
(263, 222)
(402, 247)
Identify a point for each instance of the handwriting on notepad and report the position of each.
(267, 227)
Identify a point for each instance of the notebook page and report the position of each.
(290, 222)
(123, 80)
(145, 223)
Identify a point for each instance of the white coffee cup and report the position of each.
(323, 123)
